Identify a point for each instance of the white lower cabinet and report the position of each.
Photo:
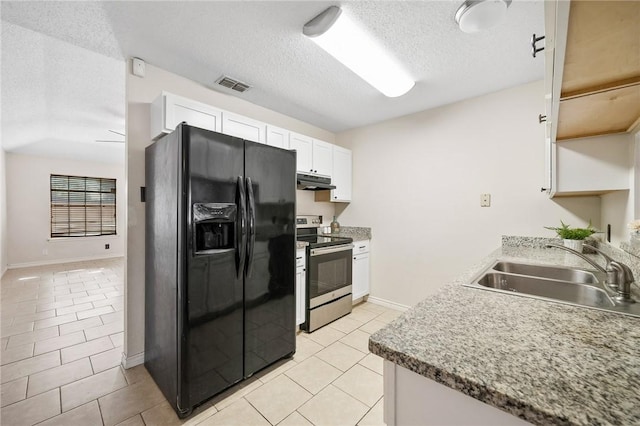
(412, 399)
(301, 272)
(360, 269)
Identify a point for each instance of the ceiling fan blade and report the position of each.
(117, 133)
(99, 140)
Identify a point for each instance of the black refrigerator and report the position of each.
(219, 262)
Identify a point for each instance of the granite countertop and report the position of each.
(356, 233)
(547, 363)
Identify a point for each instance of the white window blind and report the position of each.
(82, 206)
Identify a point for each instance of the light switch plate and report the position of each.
(485, 200)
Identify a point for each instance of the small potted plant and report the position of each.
(573, 237)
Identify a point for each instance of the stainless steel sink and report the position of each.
(542, 271)
(551, 289)
(574, 286)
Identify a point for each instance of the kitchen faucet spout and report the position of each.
(619, 276)
(580, 255)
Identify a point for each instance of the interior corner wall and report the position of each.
(140, 92)
(618, 207)
(3, 213)
(28, 212)
(417, 182)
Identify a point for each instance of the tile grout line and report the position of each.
(302, 415)
(259, 412)
(369, 410)
(97, 400)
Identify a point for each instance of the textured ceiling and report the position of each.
(261, 43)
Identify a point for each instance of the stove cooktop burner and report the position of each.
(316, 241)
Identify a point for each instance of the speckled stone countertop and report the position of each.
(357, 233)
(547, 363)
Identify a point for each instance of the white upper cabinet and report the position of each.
(322, 158)
(169, 110)
(277, 137)
(341, 176)
(595, 165)
(314, 156)
(303, 145)
(591, 105)
(243, 127)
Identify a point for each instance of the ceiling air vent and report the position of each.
(232, 84)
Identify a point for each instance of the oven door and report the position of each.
(329, 273)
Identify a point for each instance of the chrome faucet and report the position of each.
(619, 276)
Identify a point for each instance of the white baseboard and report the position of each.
(57, 261)
(387, 303)
(132, 361)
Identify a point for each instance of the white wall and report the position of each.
(306, 205)
(417, 182)
(3, 213)
(140, 92)
(28, 211)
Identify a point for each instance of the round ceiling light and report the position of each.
(478, 15)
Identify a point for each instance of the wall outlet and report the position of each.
(106, 246)
(485, 200)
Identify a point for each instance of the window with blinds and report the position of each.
(82, 206)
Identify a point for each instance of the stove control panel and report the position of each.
(308, 221)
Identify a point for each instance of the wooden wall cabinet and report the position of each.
(592, 89)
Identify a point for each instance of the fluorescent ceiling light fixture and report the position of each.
(343, 39)
(479, 15)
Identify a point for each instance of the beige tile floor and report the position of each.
(61, 347)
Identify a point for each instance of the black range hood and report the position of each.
(314, 183)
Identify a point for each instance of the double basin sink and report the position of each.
(573, 286)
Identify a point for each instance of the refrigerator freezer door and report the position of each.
(269, 288)
(162, 215)
(212, 331)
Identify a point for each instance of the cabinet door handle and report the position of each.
(542, 118)
(534, 41)
(543, 189)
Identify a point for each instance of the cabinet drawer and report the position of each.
(361, 247)
(300, 259)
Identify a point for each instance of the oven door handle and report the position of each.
(331, 249)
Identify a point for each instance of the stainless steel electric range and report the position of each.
(328, 280)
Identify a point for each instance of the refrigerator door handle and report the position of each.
(251, 209)
(241, 237)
